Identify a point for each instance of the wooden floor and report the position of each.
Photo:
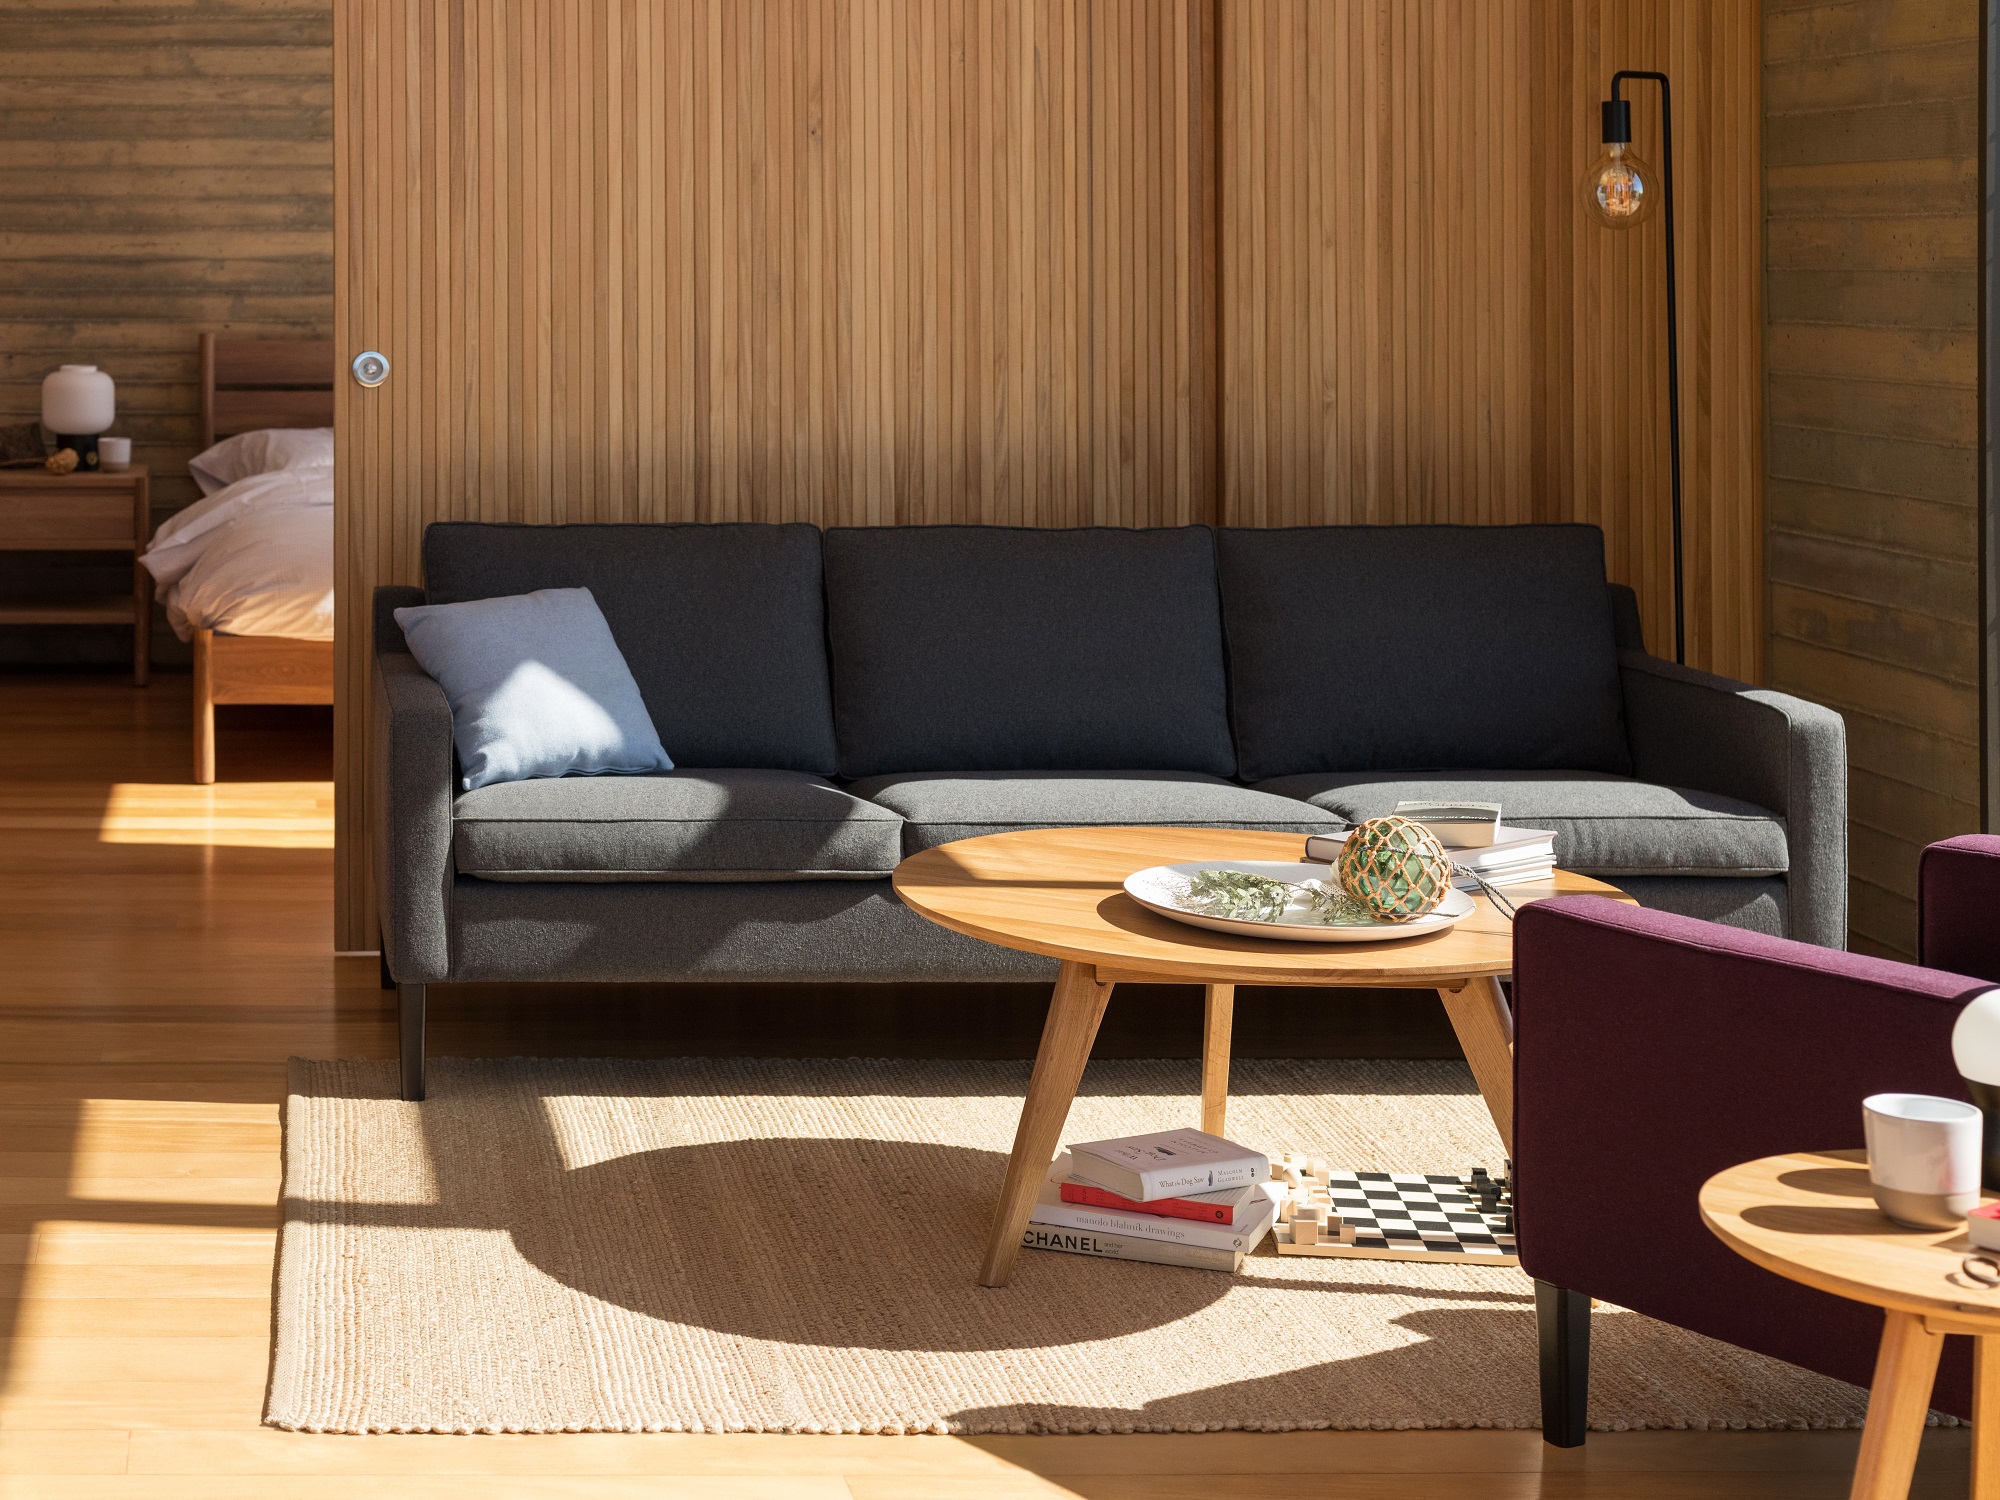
(163, 949)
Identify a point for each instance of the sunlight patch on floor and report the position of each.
(242, 815)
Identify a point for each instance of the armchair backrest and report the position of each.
(1958, 906)
(1652, 1051)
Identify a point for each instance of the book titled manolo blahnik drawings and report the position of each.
(1167, 1164)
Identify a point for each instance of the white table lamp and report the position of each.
(78, 404)
(1975, 1051)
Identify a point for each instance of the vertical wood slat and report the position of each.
(1029, 261)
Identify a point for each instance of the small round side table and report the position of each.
(1809, 1216)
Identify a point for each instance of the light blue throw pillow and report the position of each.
(537, 687)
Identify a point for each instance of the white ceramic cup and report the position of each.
(1923, 1158)
(114, 452)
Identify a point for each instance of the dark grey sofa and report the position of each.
(836, 701)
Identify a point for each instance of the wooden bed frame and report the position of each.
(247, 384)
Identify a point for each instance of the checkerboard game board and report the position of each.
(1413, 1216)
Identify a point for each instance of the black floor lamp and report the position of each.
(1620, 192)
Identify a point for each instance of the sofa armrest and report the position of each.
(409, 799)
(1958, 906)
(1711, 734)
(1652, 1051)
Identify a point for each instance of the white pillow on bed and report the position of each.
(264, 451)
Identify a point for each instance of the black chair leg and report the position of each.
(1562, 1319)
(410, 1001)
(388, 979)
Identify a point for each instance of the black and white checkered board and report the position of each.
(1413, 1216)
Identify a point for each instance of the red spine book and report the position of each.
(1166, 1208)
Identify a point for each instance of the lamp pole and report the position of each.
(1617, 188)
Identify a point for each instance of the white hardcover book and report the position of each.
(1519, 874)
(1168, 1163)
(1129, 1247)
(1522, 846)
(1050, 1209)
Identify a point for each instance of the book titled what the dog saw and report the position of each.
(1167, 1164)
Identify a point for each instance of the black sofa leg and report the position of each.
(1562, 1319)
(410, 1001)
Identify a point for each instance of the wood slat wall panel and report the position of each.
(875, 261)
(1871, 176)
(168, 169)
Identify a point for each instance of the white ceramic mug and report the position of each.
(114, 452)
(1923, 1158)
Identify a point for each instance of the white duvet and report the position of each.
(255, 558)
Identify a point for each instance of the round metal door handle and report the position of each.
(370, 368)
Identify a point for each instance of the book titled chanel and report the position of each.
(1167, 1164)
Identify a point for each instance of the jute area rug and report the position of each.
(730, 1246)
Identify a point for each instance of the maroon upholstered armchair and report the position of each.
(1652, 1050)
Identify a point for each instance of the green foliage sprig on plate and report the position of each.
(1244, 897)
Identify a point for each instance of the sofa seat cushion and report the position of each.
(687, 825)
(1604, 824)
(940, 807)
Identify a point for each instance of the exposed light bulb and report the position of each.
(1619, 188)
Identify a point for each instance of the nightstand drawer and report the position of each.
(65, 518)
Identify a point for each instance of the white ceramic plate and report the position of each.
(1159, 888)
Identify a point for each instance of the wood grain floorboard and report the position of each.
(151, 995)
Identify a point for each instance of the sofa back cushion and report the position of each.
(1355, 648)
(994, 648)
(722, 625)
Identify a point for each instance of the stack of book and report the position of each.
(1176, 1198)
(1515, 856)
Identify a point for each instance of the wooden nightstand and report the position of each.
(44, 512)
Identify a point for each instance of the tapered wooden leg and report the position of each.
(1986, 1418)
(204, 710)
(1898, 1402)
(410, 999)
(1218, 1012)
(1485, 1026)
(1074, 1012)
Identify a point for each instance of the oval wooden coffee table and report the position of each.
(1060, 892)
(1810, 1217)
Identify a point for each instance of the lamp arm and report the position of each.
(1673, 337)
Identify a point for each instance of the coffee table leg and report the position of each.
(1897, 1404)
(1074, 1011)
(1485, 1026)
(1218, 1013)
(1986, 1417)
